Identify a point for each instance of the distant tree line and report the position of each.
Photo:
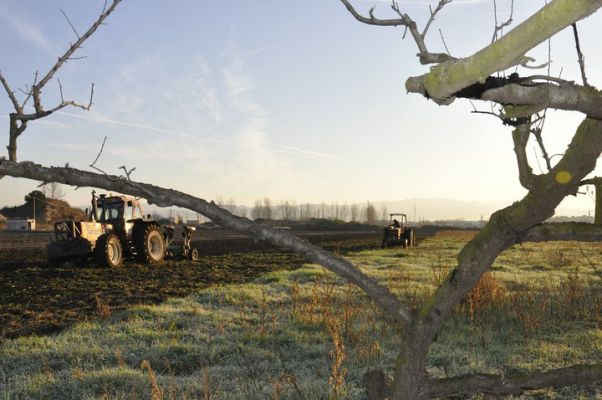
(289, 210)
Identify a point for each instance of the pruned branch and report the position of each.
(499, 385)
(36, 89)
(169, 197)
(447, 78)
(424, 55)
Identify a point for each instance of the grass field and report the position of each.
(304, 333)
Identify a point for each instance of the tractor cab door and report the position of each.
(131, 213)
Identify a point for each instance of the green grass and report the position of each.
(274, 337)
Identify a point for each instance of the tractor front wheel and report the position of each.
(108, 251)
(149, 244)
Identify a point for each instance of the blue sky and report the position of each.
(284, 99)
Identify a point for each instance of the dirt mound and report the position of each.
(48, 211)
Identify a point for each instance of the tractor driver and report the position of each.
(397, 227)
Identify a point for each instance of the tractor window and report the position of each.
(128, 212)
(137, 212)
(111, 211)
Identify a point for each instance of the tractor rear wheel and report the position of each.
(108, 251)
(149, 244)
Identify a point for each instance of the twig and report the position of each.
(441, 4)
(443, 40)
(499, 28)
(11, 94)
(579, 54)
(404, 20)
(67, 55)
(93, 165)
(70, 24)
(127, 173)
(537, 133)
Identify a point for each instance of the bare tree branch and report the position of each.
(69, 22)
(538, 96)
(404, 20)
(128, 173)
(499, 385)
(500, 27)
(169, 197)
(36, 89)
(93, 165)
(508, 225)
(447, 78)
(520, 137)
(11, 94)
(18, 119)
(579, 54)
(439, 7)
(538, 137)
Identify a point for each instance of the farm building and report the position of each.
(28, 224)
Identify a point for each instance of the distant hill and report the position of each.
(48, 211)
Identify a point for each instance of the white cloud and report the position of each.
(26, 29)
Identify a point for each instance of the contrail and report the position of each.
(186, 135)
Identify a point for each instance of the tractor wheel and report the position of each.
(108, 251)
(149, 244)
(194, 254)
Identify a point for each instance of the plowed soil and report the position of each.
(38, 299)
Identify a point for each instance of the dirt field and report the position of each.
(37, 299)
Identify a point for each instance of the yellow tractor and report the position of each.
(117, 229)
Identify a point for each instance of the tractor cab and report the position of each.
(113, 208)
(397, 232)
(397, 221)
(119, 211)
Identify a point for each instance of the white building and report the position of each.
(21, 224)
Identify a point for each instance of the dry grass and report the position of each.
(306, 334)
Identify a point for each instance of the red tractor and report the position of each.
(398, 233)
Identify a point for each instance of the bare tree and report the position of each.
(53, 190)
(370, 213)
(354, 213)
(19, 119)
(521, 98)
(257, 211)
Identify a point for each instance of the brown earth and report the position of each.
(37, 299)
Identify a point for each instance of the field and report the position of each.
(36, 299)
(261, 324)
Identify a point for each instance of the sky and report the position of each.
(291, 100)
